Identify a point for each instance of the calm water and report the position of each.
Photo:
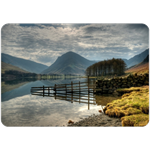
(20, 108)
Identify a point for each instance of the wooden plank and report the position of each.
(78, 86)
(44, 95)
(76, 98)
(74, 89)
(77, 101)
(68, 93)
(58, 85)
(39, 92)
(63, 87)
(76, 94)
(41, 87)
(66, 96)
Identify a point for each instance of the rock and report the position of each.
(70, 121)
(100, 111)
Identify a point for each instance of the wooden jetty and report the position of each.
(80, 87)
(79, 92)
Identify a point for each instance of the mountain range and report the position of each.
(7, 67)
(24, 64)
(72, 63)
(68, 63)
(136, 59)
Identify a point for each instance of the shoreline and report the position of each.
(100, 120)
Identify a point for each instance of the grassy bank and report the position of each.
(132, 108)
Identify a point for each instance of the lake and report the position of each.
(20, 108)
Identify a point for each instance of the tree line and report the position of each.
(18, 74)
(107, 67)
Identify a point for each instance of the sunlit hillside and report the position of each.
(139, 69)
(7, 67)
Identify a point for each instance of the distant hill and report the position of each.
(69, 63)
(7, 67)
(141, 67)
(24, 64)
(137, 58)
(126, 61)
(146, 60)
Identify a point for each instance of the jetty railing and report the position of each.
(80, 87)
(80, 92)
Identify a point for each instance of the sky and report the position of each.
(44, 43)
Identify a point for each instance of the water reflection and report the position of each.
(19, 108)
(42, 111)
(16, 88)
(85, 98)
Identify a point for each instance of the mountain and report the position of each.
(126, 61)
(24, 64)
(69, 63)
(7, 67)
(146, 60)
(137, 58)
(142, 67)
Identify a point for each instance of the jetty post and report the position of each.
(88, 102)
(43, 90)
(71, 87)
(79, 92)
(48, 91)
(88, 85)
(79, 88)
(55, 91)
(66, 88)
(71, 92)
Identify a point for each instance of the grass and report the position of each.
(132, 107)
(104, 99)
(135, 120)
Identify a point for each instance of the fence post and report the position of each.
(66, 87)
(79, 87)
(88, 102)
(48, 91)
(93, 85)
(71, 87)
(55, 88)
(71, 92)
(43, 90)
(88, 85)
(79, 92)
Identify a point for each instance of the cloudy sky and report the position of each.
(43, 43)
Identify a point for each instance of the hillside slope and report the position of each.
(7, 67)
(137, 58)
(141, 67)
(69, 63)
(24, 64)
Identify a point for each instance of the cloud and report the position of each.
(43, 43)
